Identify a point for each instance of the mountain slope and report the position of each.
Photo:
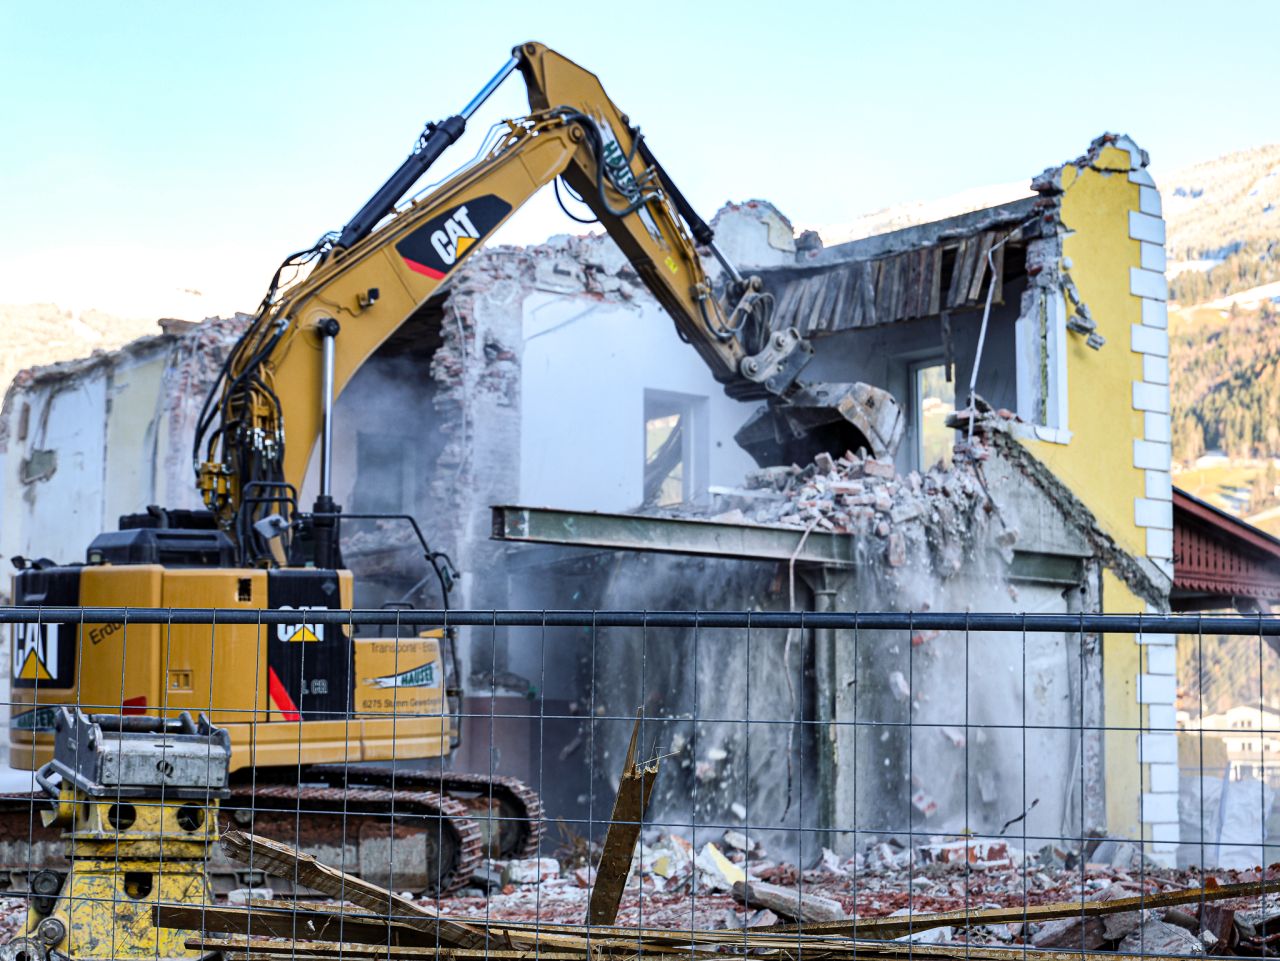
(1224, 334)
(1213, 208)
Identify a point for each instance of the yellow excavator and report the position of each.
(313, 710)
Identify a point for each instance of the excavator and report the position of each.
(322, 720)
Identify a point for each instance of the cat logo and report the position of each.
(434, 248)
(35, 652)
(456, 237)
(300, 632)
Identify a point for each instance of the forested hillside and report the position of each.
(1224, 346)
(1226, 382)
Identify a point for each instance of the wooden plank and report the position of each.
(285, 922)
(998, 257)
(845, 303)
(241, 948)
(889, 296)
(784, 309)
(925, 284)
(935, 280)
(624, 830)
(977, 282)
(825, 301)
(806, 304)
(867, 280)
(897, 926)
(281, 861)
(249, 950)
(885, 278)
(913, 304)
(906, 265)
(961, 273)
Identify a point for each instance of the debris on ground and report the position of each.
(790, 904)
(530, 871)
(1153, 936)
(982, 896)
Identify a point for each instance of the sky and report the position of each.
(160, 158)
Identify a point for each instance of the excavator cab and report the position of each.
(304, 692)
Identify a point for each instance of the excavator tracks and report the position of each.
(508, 811)
(26, 845)
(406, 840)
(420, 831)
(405, 829)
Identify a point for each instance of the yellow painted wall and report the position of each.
(1097, 463)
(1121, 664)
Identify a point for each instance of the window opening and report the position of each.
(672, 425)
(935, 400)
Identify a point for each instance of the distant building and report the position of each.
(1251, 737)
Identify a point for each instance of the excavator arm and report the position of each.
(309, 338)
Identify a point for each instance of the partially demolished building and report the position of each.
(546, 382)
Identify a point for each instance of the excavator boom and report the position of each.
(254, 548)
(308, 340)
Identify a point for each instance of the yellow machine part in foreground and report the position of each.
(224, 671)
(120, 869)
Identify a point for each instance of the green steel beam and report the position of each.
(669, 535)
(703, 538)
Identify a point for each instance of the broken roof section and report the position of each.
(915, 272)
(926, 269)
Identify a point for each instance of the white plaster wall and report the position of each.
(585, 368)
(136, 407)
(58, 516)
(104, 424)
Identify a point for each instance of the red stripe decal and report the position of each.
(280, 697)
(424, 269)
(134, 705)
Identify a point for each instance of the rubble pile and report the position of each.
(13, 913)
(1124, 907)
(939, 515)
(675, 884)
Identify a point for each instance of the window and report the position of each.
(674, 459)
(1040, 335)
(934, 399)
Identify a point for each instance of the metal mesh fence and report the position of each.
(335, 783)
